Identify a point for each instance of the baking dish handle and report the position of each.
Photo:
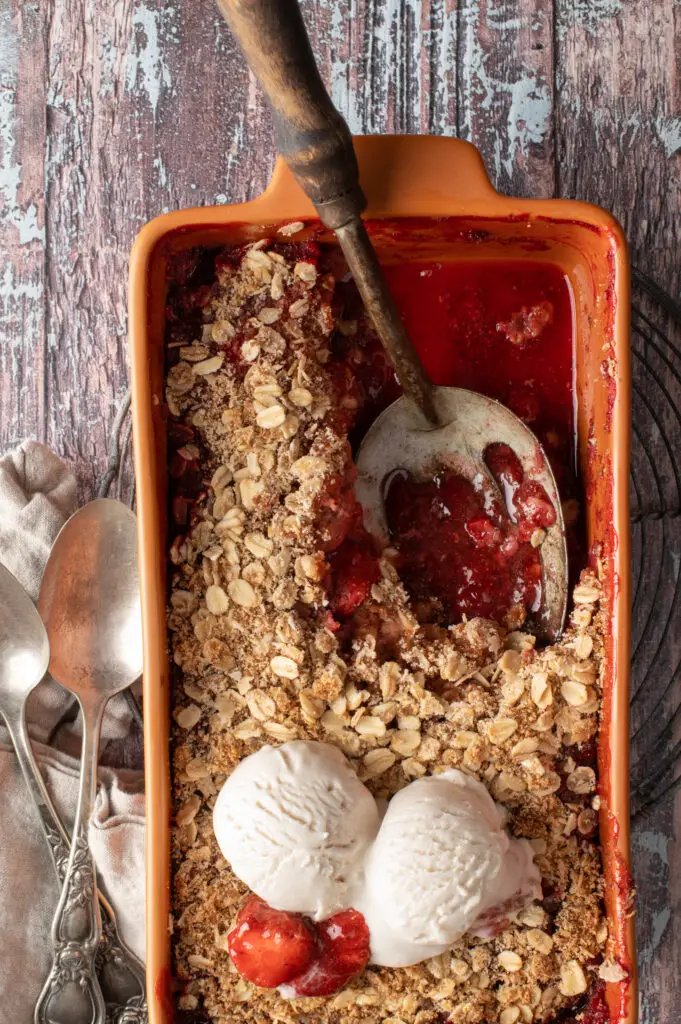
(424, 175)
(404, 175)
(434, 174)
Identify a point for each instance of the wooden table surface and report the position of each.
(112, 111)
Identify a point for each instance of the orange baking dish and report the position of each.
(438, 190)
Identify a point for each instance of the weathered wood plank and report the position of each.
(22, 233)
(505, 77)
(618, 134)
(618, 120)
(112, 111)
(390, 64)
(106, 77)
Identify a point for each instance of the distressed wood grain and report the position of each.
(618, 120)
(618, 143)
(22, 233)
(112, 111)
(505, 89)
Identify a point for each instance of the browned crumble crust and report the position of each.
(256, 664)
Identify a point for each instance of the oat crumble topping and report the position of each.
(262, 413)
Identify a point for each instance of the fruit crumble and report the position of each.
(287, 623)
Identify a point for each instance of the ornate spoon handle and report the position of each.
(121, 974)
(57, 838)
(71, 993)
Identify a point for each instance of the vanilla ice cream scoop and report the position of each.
(295, 823)
(441, 863)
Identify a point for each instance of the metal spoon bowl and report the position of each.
(90, 604)
(399, 438)
(23, 643)
(90, 601)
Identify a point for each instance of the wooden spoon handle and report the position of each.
(312, 136)
(385, 316)
(315, 141)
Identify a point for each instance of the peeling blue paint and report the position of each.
(146, 71)
(108, 54)
(669, 133)
(24, 219)
(528, 101)
(588, 14)
(161, 172)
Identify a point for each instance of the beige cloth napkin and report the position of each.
(37, 494)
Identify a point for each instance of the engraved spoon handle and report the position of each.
(57, 839)
(121, 974)
(71, 993)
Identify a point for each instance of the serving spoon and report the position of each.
(90, 603)
(421, 431)
(24, 657)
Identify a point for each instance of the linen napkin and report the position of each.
(37, 494)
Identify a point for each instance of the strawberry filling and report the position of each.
(354, 569)
(460, 545)
(270, 948)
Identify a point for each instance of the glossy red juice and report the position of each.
(504, 329)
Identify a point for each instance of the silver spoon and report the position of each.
(24, 657)
(398, 438)
(90, 603)
(422, 430)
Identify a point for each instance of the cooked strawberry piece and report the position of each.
(483, 532)
(503, 463)
(181, 508)
(300, 252)
(182, 266)
(230, 257)
(596, 1009)
(458, 545)
(344, 952)
(534, 504)
(269, 947)
(354, 568)
(527, 324)
(340, 514)
(505, 467)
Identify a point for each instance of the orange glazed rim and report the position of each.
(403, 177)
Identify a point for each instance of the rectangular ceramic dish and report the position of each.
(429, 198)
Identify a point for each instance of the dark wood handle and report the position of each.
(312, 136)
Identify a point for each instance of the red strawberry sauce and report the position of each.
(504, 329)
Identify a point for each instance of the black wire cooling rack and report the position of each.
(656, 545)
(655, 535)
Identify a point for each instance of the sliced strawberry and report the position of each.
(343, 953)
(269, 947)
